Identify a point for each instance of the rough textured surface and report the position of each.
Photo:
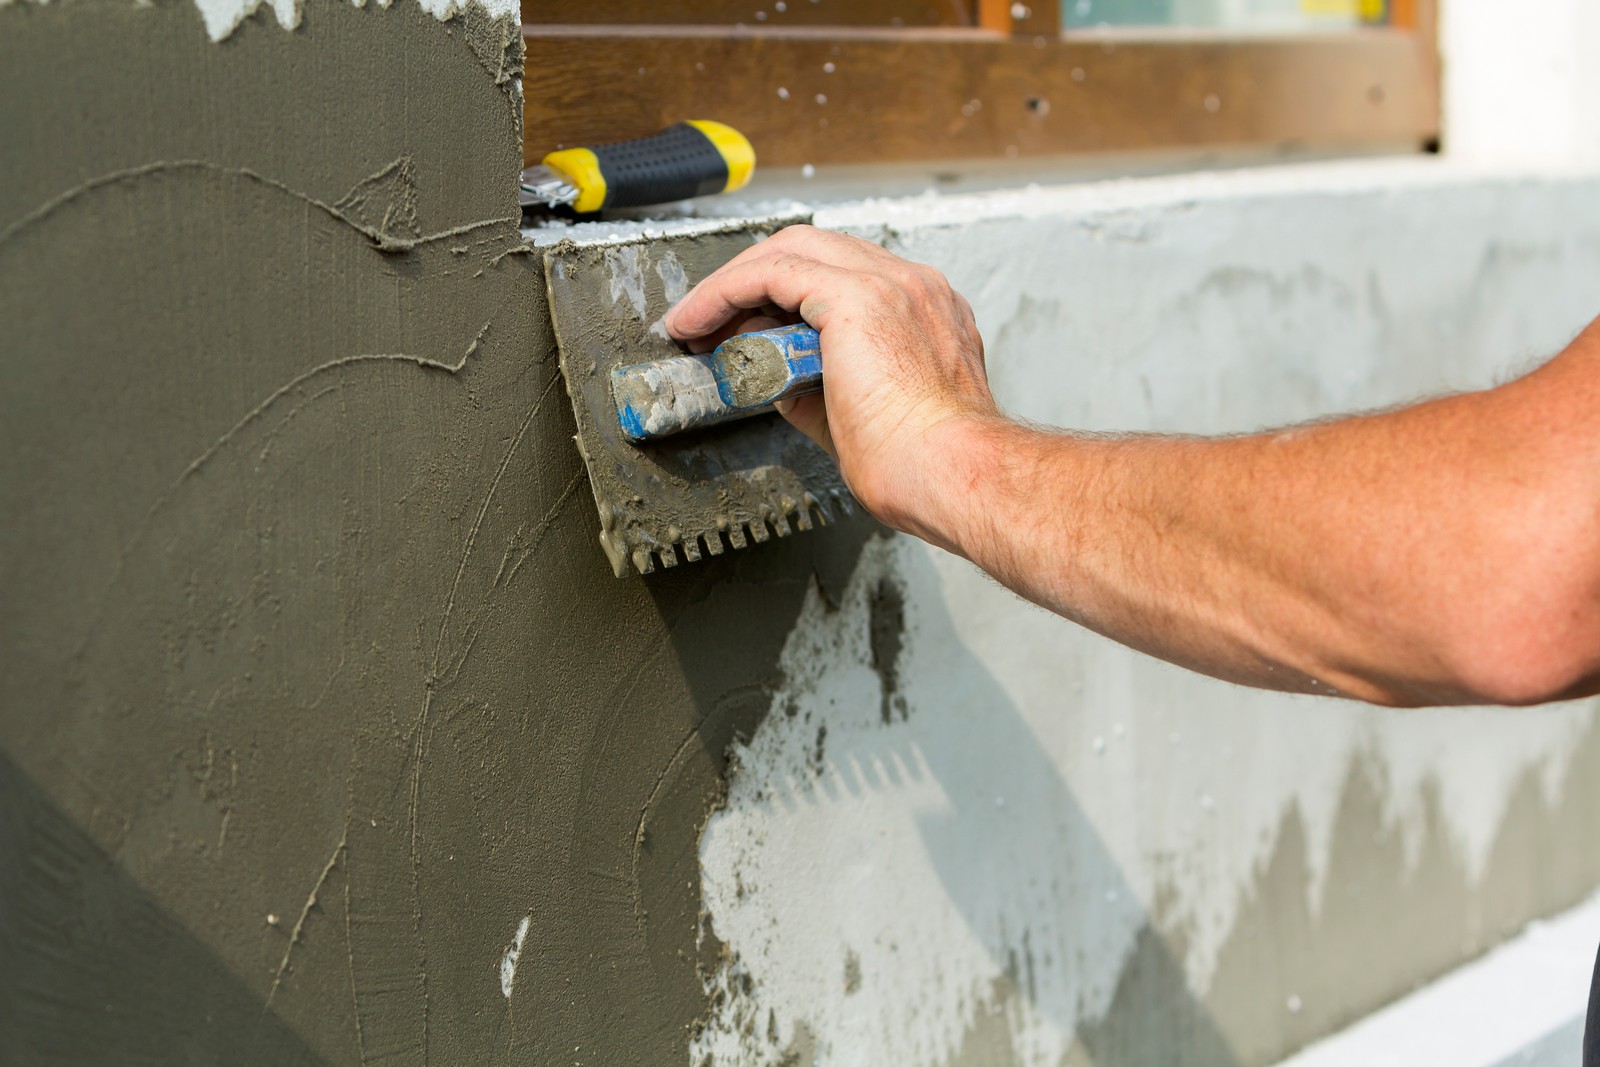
(313, 697)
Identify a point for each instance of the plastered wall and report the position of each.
(327, 736)
(975, 835)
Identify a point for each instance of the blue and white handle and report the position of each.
(744, 376)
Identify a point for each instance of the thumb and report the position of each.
(809, 415)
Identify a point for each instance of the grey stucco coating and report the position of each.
(1398, 904)
(316, 680)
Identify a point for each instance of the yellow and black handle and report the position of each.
(688, 159)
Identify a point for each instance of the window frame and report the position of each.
(1010, 85)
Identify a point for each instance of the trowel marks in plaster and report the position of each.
(305, 615)
(1067, 851)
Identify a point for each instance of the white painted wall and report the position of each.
(1520, 81)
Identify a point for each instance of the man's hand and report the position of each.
(902, 359)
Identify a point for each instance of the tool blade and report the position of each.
(543, 187)
(698, 494)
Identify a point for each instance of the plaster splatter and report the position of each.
(627, 278)
(674, 285)
(961, 847)
(508, 962)
(223, 17)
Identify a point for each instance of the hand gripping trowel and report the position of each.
(685, 455)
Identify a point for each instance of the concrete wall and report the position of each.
(977, 835)
(328, 736)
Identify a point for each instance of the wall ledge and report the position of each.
(1523, 1002)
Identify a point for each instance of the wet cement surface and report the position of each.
(318, 685)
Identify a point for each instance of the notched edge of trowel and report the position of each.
(701, 494)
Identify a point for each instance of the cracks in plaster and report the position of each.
(422, 728)
(198, 463)
(350, 966)
(477, 522)
(397, 181)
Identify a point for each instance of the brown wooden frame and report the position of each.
(998, 87)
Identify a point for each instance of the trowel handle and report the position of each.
(687, 159)
(746, 375)
(761, 368)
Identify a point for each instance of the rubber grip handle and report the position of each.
(678, 163)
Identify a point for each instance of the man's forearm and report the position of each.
(1444, 553)
(1316, 559)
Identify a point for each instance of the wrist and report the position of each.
(955, 494)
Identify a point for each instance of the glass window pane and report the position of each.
(1265, 16)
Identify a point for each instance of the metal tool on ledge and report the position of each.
(688, 159)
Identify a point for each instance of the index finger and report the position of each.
(730, 289)
(753, 279)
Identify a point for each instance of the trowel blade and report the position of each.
(680, 498)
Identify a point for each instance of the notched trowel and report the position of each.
(677, 471)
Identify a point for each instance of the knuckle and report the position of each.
(790, 234)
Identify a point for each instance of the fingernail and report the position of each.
(783, 407)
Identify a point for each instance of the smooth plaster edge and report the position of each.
(1340, 177)
(1484, 1013)
(222, 17)
(1071, 199)
(632, 231)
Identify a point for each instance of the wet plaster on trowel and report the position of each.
(317, 685)
(680, 498)
(1065, 852)
(626, 263)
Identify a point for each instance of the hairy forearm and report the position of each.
(1444, 553)
(1373, 556)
